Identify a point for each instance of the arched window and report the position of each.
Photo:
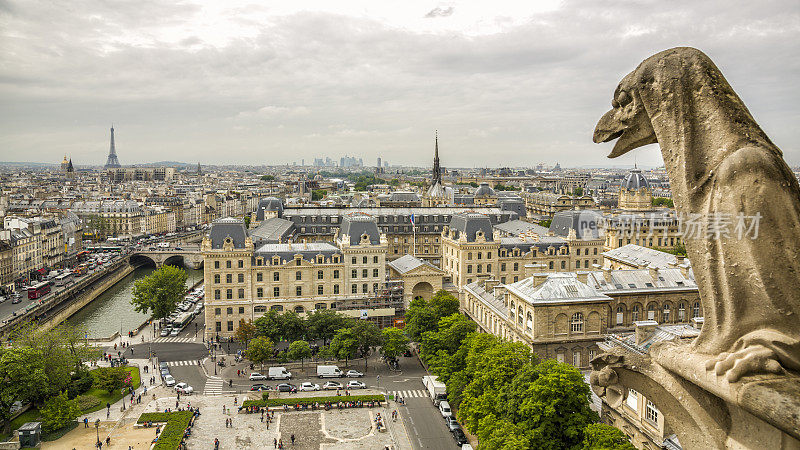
(277, 308)
(635, 313)
(576, 325)
(696, 310)
(576, 358)
(529, 322)
(651, 311)
(519, 315)
(620, 315)
(681, 312)
(665, 316)
(299, 309)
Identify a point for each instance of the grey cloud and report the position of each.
(440, 12)
(316, 84)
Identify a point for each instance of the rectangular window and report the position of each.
(319, 290)
(319, 274)
(276, 292)
(216, 279)
(364, 288)
(516, 267)
(298, 291)
(217, 311)
(229, 278)
(651, 413)
(576, 358)
(354, 274)
(375, 259)
(241, 278)
(364, 260)
(276, 276)
(375, 273)
(335, 288)
(218, 327)
(216, 266)
(354, 260)
(241, 293)
(228, 264)
(335, 274)
(364, 273)
(241, 264)
(241, 310)
(260, 292)
(217, 294)
(229, 294)
(230, 325)
(354, 289)
(503, 267)
(632, 401)
(260, 276)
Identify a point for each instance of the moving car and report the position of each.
(255, 376)
(259, 387)
(444, 409)
(355, 384)
(183, 388)
(309, 386)
(285, 387)
(332, 385)
(169, 381)
(353, 374)
(460, 437)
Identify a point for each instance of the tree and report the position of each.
(318, 194)
(451, 333)
(247, 221)
(322, 324)
(22, 378)
(270, 326)
(368, 335)
(599, 436)
(395, 342)
(268, 178)
(424, 315)
(343, 345)
(58, 412)
(299, 350)
(546, 223)
(159, 292)
(110, 379)
(294, 327)
(259, 350)
(577, 192)
(245, 332)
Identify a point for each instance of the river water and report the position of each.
(112, 311)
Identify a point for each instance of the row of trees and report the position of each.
(341, 337)
(503, 393)
(40, 365)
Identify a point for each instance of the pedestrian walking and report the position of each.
(292, 438)
(216, 444)
(274, 442)
(108, 441)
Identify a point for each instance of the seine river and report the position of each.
(112, 311)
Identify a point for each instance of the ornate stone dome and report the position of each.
(634, 181)
(484, 191)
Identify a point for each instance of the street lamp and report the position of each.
(97, 428)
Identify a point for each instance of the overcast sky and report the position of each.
(505, 82)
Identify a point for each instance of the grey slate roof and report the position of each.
(407, 263)
(641, 280)
(268, 204)
(356, 225)
(586, 223)
(643, 257)
(559, 287)
(287, 252)
(271, 231)
(223, 228)
(515, 227)
(525, 245)
(401, 196)
(634, 181)
(484, 190)
(469, 223)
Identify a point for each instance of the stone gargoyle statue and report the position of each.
(721, 166)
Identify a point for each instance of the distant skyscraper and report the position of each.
(379, 162)
(112, 161)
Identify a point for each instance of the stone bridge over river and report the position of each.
(188, 256)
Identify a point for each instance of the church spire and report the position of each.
(437, 171)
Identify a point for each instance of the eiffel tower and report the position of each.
(112, 161)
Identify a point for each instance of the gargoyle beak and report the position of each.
(608, 129)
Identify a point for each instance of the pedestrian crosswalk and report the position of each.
(413, 393)
(174, 339)
(213, 386)
(192, 362)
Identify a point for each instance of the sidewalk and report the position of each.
(115, 413)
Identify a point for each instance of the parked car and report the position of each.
(164, 372)
(285, 387)
(16, 300)
(332, 385)
(444, 409)
(451, 423)
(309, 386)
(460, 437)
(175, 332)
(168, 380)
(163, 366)
(255, 376)
(259, 387)
(355, 384)
(353, 374)
(183, 388)
(165, 331)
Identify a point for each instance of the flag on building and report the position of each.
(412, 218)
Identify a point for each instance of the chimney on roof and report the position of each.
(539, 278)
(583, 276)
(653, 272)
(607, 274)
(644, 330)
(490, 284)
(697, 322)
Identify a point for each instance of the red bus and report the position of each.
(39, 289)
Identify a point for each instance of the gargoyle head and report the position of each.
(627, 120)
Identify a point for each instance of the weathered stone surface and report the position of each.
(721, 164)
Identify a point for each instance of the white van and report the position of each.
(329, 372)
(163, 244)
(279, 373)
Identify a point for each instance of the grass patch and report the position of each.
(111, 397)
(31, 415)
(172, 434)
(310, 400)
